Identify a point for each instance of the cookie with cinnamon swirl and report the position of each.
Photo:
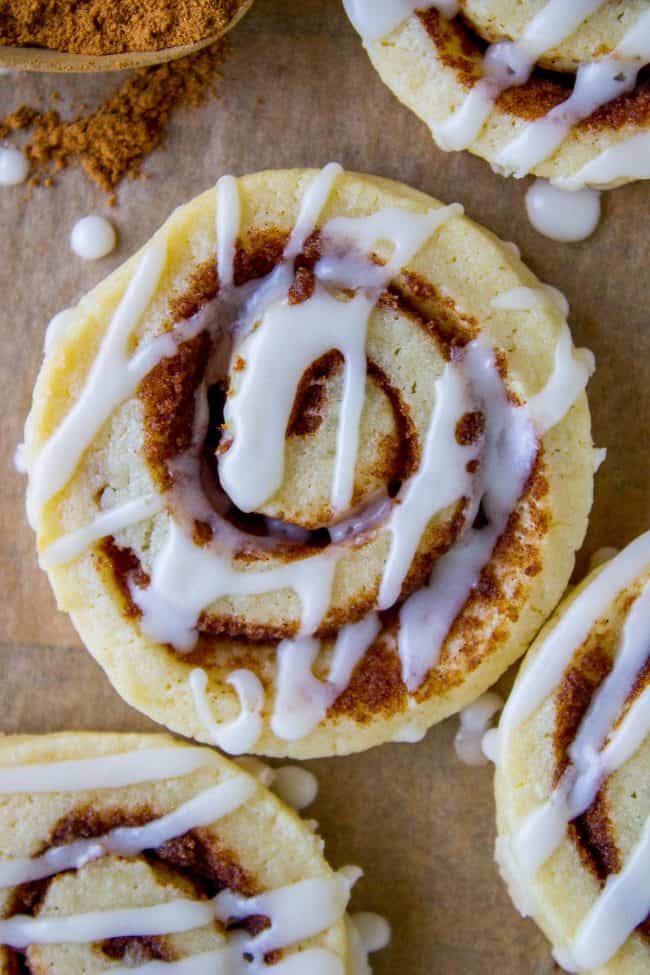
(312, 467)
(546, 87)
(572, 773)
(135, 853)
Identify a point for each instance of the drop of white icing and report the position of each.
(373, 929)
(562, 215)
(410, 734)
(474, 721)
(600, 456)
(295, 786)
(93, 237)
(14, 167)
(20, 459)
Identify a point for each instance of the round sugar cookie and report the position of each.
(573, 803)
(560, 91)
(310, 470)
(121, 851)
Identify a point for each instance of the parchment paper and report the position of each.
(298, 90)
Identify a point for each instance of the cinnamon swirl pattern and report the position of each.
(312, 467)
(495, 77)
(138, 854)
(572, 773)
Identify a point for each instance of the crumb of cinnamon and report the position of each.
(112, 141)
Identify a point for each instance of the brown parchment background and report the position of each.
(298, 90)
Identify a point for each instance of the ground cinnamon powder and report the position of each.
(98, 27)
(113, 141)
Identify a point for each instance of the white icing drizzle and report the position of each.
(104, 771)
(474, 721)
(302, 700)
(241, 734)
(538, 679)
(509, 64)
(228, 223)
(68, 547)
(530, 299)
(602, 745)
(112, 377)
(296, 786)
(187, 578)
(627, 159)
(509, 453)
(311, 207)
(562, 215)
(591, 760)
(597, 83)
(572, 370)
(289, 340)
(440, 481)
(172, 917)
(623, 904)
(375, 19)
(128, 841)
(490, 745)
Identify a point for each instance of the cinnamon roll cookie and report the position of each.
(572, 774)
(310, 469)
(546, 87)
(135, 853)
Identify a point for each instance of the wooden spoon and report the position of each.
(41, 59)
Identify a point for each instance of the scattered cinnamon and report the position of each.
(96, 27)
(113, 141)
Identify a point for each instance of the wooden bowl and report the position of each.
(42, 59)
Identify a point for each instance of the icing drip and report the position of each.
(474, 722)
(105, 771)
(544, 673)
(311, 207)
(373, 929)
(509, 64)
(289, 340)
(302, 700)
(228, 222)
(591, 760)
(375, 19)
(597, 83)
(112, 377)
(295, 786)
(626, 160)
(623, 905)
(509, 454)
(441, 480)
(603, 744)
(240, 735)
(561, 215)
(187, 578)
(202, 810)
(68, 547)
